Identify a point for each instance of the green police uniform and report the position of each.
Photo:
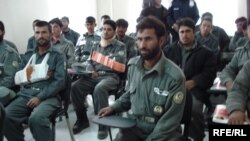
(10, 61)
(210, 42)
(71, 35)
(85, 45)
(11, 44)
(100, 86)
(238, 97)
(130, 46)
(231, 70)
(155, 98)
(67, 48)
(17, 111)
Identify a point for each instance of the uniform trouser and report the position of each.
(38, 119)
(197, 125)
(131, 134)
(99, 87)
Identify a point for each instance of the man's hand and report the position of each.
(190, 84)
(94, 74)
(33, 102)
(105, 111)
(236, 118)
(175, 27)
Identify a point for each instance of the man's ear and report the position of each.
(162, 41)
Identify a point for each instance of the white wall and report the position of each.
(18, 15)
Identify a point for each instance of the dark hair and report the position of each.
(43, 23)
(2, 28)
(105, 17)
(111, 23)
(90, 19)
(186, 22)
(65, 18)
(152, 23)
(122, 22)
(240, 19)
(56, 21)
(35, 21)
(207, 14)
(207, 19)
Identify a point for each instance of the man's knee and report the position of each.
(35, 120)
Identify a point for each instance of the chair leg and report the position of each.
(69, 127)
(53, 132)
(110, 135)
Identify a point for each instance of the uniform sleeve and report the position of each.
(11, 64)
(70, 54)
(165, 128)
(231, 69)
(58, 80)
(196, 15)
(237, 98)
(170, 17)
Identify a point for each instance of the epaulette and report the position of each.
(133, 60)
(9, 49)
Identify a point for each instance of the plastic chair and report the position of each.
(62, 110)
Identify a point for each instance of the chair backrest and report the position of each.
(187, 114)
(65, 93)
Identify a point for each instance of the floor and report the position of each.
(89, 134)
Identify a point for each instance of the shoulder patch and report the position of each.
(178, 97)
(15, 64)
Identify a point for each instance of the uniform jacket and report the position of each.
(130, 46)
(210, 42)
(72, 36)
(84, 46)
(231, 70)
(50, 87)
(162, 86)
(66, 47)
(239, 97)
(10, 60)
(116, 50)
(180, 9)
(200, 66)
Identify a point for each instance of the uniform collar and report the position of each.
(158, 67)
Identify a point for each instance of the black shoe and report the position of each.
(102, 132)
(79, 126)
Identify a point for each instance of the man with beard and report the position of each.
(199, 66)
(36, 101)
(9, 62)
(107, 61)
(155, 89)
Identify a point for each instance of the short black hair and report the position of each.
(90, 19)
(65, 18)
(122, 23)
(105, 17)
(186, 22)
(207, 14)
(152, 23)
(43, 23)
(2, 28)
(111, 23)
(56, 21)
(241, 19)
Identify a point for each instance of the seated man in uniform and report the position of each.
(9, 62)
(87, 40)
(121, 29)
(36, 101)
(155, 89)
(238, 101)
(108, 60)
